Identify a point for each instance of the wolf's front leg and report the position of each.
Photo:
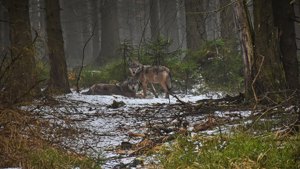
(144, 85)
(166, 90)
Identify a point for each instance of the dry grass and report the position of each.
(22, 144)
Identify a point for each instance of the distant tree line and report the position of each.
(62, 33)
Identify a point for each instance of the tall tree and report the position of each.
(21, 79)
(267, 66)
(154, 19)
(246, 36)
(110, 39)
(37, 19)
(195, 23)
(96, 29)
(127, 20)
(58, 82)
(4, 28)
(212, 20)
(227, 20)
(169, 22)
(283, 21)
(72, 31)
(268, 70)
(87, 25)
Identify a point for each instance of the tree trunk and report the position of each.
(110, 40)
(71, 32)
(87, 27)
(267, 66)
(227, 20)
(126, 20)
(212, 20)
(283, 18)
(243, 22)
(154, 19)
(96, 23)
(181, 24)
(4, 30)
(37, 19)
(58, 82)
(195, 24)
(21, 84)
(169, 22)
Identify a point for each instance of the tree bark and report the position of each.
(72, 32)
(154, 19)
(227, 20)
(37, 19)
(247, 42)
(267, 65)
(212, 20)
(169, 22)
(195, 24)
(96, 22)
(4, 30)
(110, 39)
(58, 82)
(21, 82)
(283, 20)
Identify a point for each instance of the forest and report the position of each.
(149, 84)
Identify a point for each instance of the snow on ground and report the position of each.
(110, 127)
(131, 102)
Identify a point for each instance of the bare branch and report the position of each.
(83, 56)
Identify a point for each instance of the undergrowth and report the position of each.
(239, 150)
(110, 73)
(22, 145)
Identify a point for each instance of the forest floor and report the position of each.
(121, 131)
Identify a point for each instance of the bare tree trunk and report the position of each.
(4, 29)
(96, 22)
(154, 19)
(110, 40)
(181, 24)
(37, 19)
(169, 22)
(227, 20)
(212, 20)
(87, 27)
(283, 18)
(195, 23)
(58, 82)
(21, 84)
(247, 43)
(267, 66)
(127, 20)
(71, 32)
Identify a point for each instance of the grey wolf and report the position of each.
(151, 74)
(128, 88)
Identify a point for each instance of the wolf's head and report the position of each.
(133, 84)
(134, 67)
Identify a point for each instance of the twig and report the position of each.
(272, 108)
(255, 78)
(28, 91)
(82, 60)
(182, 102)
